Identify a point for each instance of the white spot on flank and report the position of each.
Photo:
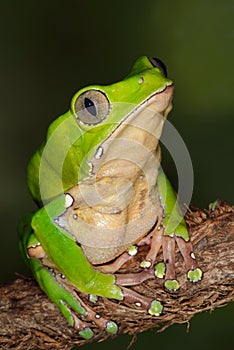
(68, 200)
(193, 256)
(60, 221)
(138, 304)
(140, 80)
(91, 168)
(75, 216)
(99, 153)
(97, 316)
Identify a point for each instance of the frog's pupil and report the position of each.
(89, 105)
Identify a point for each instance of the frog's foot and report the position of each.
(168, 245)
(78, 313)
(65, 297)
(86, 312)
(167, 269)
(194, 273)
(152, 306)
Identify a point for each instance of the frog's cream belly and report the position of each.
(111, 213)
(117, 240)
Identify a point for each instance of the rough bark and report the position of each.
(30, 321)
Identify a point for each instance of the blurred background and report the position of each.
(50, 49)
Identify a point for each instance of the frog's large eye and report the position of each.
(91, 107)
(157, 63)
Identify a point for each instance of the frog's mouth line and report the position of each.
(162, 110)
(168, 89)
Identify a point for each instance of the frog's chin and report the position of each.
(160, 101)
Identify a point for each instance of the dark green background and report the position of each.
(49, 49)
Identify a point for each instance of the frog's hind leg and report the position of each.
(69, 305)
(88, 313)
(62, 293)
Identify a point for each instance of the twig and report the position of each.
(30, 321)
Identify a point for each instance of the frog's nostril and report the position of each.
(157, 63)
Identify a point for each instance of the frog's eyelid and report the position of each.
(157, 63)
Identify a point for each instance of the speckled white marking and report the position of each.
(99, 153)
(140, 80)
(68, 200)
(193, 256)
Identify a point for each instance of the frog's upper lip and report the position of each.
(168, 90)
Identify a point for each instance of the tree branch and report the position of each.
(29, 320)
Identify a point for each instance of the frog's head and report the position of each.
(100, 105)
(72, 146)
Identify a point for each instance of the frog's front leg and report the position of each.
(170, 230)
(56, 286)
(63, 262)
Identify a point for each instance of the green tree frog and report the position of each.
(102, 195)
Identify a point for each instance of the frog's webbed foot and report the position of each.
(131, 297)
(153, 307)
(194, 273)
(63, 294)
(161, 238)
(85, 312)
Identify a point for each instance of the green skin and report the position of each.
(76, 150)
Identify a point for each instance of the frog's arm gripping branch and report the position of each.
(27, 312)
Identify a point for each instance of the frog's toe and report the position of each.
(72, 306)
(160, 270)
(88, 314)
(156, 308)
(86, 333)
(111, 327)
(71, 311)
(194, 275)
(194, 272)
(69, 314)
(172, 285)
